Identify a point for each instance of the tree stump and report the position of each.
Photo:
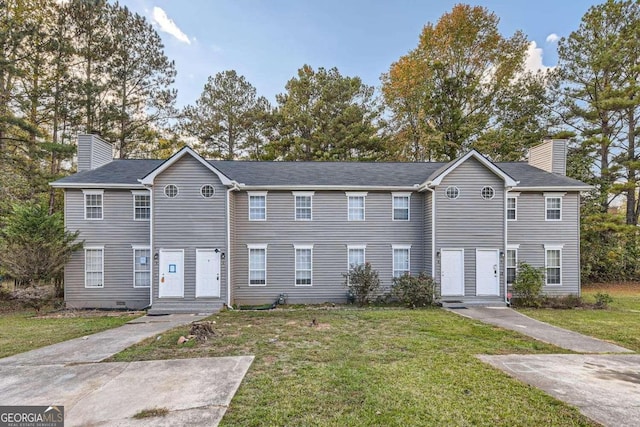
(202, 330)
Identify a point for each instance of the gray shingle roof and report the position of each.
(127, 172)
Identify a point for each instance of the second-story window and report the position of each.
(141, 205)
(93, 204)
(401, 206)
(356, 203)
(304, 205)
(257, 206)
(553, 207)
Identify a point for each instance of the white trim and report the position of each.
(362, 195)
(251, 194)
(207, 185)
(393, 209)
(506, 203)
(513, 246)
(148, 180)
(228, 257)
(355, 188)
(86, 193)
(496, 252)
(136, 193)
(446, 191)
(433, 231)
(93, 248)
(164, 191)
(508, 180)
(548, 196)
(151, 248)
(554, 194)
(357, 246)
(140, 192)
(356, 193)
(257, 246)
(493, 192)
(552, 248)
(297, 194)
(559, 188)
(295, 265)
(394, 248)
(262, 247)
(505, 222)
(135, 248)
(362, 248)
(513, 193)
(400, 246)
(183, 264)
(96, 185)
(461, 250)
(401, 193)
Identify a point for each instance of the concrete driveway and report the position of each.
(196, 392)
(605, 388)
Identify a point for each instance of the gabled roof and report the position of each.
(148, 179)
(438, 175)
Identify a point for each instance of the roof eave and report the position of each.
(414, 187)
(95, 185)
(555, 188)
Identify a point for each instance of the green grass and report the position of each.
(22, 331)
(619, 323)
(385, 367)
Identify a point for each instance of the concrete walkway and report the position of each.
(196, 392)
(515, 321)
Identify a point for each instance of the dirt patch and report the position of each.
(68, 313)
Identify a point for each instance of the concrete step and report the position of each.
(461, 302)
(186, 307)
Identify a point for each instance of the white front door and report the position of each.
(487, 272)
(207, 273)
(452, 272)
(171, 273)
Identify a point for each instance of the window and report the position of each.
(553, 264)
(452, 192)
(93, 204)
(304, 265)
(401, 206)
(141, 267)
(512, 265)
(257, 265)
(487, 193)
(512, 204)
(303, 201)
(171, 191)
(141, 205)
(553, 206)
(257, 206)
(355, 256)
(94, 267)
(401, 256)
(356, 206)
(207, 191)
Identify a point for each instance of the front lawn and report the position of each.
(385, 367)
(22, 330)
(619, 323)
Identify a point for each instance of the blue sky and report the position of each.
(267, 41)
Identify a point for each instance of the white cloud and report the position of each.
(167, 25)
(533, 61)
(552, 38)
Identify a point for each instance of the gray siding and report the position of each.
(532, 232)
(93, 152)
(330, 233)
(470, 222)
(189, 222)
(117, 232)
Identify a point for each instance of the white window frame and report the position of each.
(547, 197)
(487, 187)
(395, 248)
(256, 247)
(141, 248)
(548, 248)
(251, 194)
(393, 206)
(513, 196)
(350, 248)
(94, 248)
(202, 191)
(164, 191)
(514, 248)
(295, 249)
(141, 193)
(100, 193)
(297, 194)
(452, 188)
(363, 196)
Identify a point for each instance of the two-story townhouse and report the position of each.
(189, 235)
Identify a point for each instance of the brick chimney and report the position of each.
(93, 152)
(550, 156)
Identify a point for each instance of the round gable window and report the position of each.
(207, 191)
(452, 192)
(487, 193)
(171, 191)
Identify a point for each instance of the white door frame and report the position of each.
(496, 272)
(200, 289)
(179, 273)
(442, 257)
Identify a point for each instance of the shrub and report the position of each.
(561, 302)
(528, 285)
(33, 297)
(602, 300)
(415, 291)
(363, 282)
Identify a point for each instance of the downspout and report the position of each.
(505, 245)
(151, 243)
(433, 231)
(229, 254)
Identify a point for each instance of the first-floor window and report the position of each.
(512, 265)
(356, 256)
(304, 265)
(141, 268)
(257, 265)
(553, 266)
(93, 267)
(401, 256)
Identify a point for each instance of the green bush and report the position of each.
(415, 291)
(363, 282)
(602, 300)
(527, 287)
